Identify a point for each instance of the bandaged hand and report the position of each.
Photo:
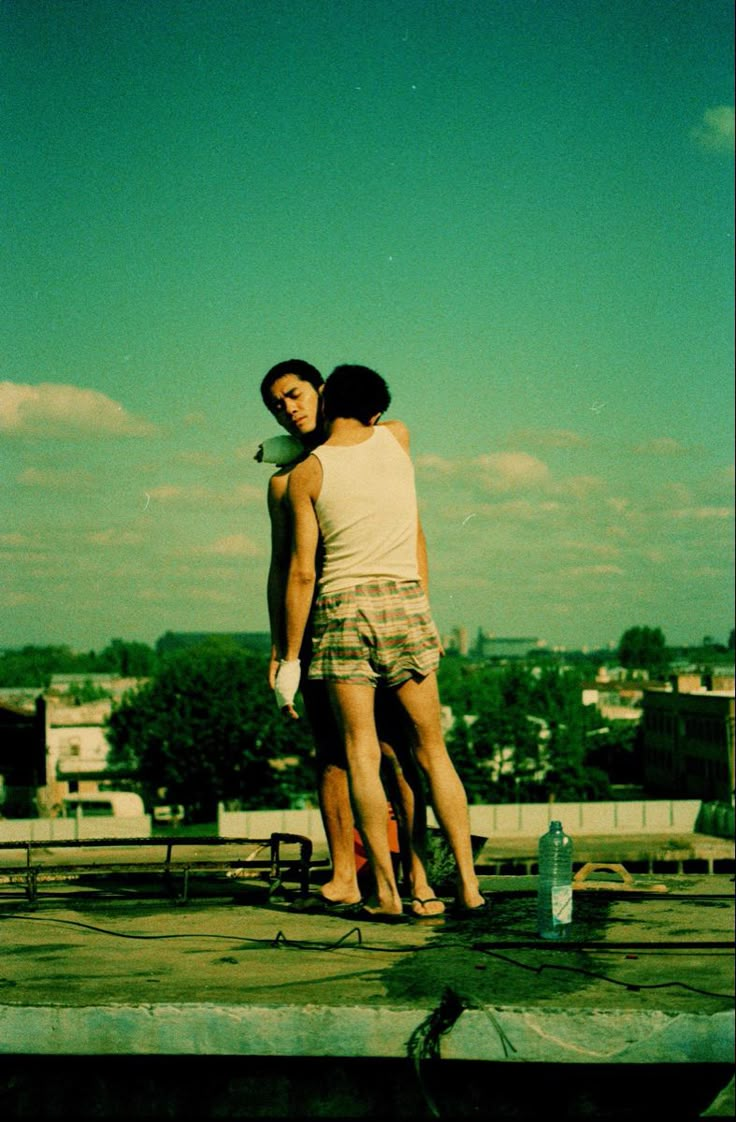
(287, 681)
(279, 450)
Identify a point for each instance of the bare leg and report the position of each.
(334, 795)
(337, 818)
(410, 809)
(421, 701)
(354, 710)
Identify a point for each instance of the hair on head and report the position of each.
(355, 391)
(303, 370)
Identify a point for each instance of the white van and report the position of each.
(103, 804)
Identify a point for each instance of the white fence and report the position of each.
(522, 820)
(527, 820)
(74, 829)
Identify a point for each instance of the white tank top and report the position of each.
(367, 512)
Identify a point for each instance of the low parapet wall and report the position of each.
(655, 816)
(74, 829)
(651, 816)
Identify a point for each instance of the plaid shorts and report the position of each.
(377, 633)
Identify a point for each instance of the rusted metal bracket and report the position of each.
(277, 866)
(584, 880)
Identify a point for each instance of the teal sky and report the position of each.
(520, 213)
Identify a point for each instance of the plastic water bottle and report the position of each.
(554, 894)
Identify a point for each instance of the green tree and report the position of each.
(128, 660)
(504, 735)
(459, 681)
(529, 737)
(469, 766)
(34, 666)
(616, 750)
(644, 648)
(206, 728)
(81, 692)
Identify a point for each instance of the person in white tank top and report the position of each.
(291, 391)
(355, 498)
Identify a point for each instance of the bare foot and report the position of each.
(471, 900)
(335, 895)
(377, 907)
(469, 896)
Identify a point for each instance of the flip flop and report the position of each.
(426, 900)
(361, 913)
(319, 905)
(338, 905)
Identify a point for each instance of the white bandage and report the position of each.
(279, 450)
(287, 681)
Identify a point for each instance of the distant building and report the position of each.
(107, 685)
(457, 640)
(497, 647)
(688, 733)
(51, 748)
(615, 697)
(77, 749)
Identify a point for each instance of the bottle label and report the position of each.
(562, 904)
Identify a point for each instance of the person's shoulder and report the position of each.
(399, 431)
(277, 485)
(306, 472)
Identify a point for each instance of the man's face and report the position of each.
(295, 405)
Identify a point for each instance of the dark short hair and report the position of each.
(304, 371)
(355, 391)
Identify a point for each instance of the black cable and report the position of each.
(281, 940)
(625, 944)
(424, 1042)
(634, 986)
(278, 940)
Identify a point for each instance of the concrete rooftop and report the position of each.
(285, 1011)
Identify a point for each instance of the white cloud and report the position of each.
(55, 410)
(511, 471)
(115, 537)
(56, 479)
(716, 130)
(199, 496)
(430, 464)
(580, 486)
(497, 472)
(18, 599)
(703, 513)
(619, 505)
(229, 546)
(235, 545)
(661, 446)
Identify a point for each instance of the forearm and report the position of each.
(275, 592)
(299, 596)
(422, 560)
